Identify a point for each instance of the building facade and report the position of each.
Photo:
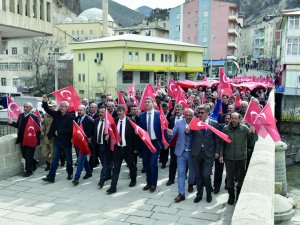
(116, 62)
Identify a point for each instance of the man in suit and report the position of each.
(125, 149)
(101, 147)
(27, 152)
(135, 116)
(61, 130)
(205, 148)
(92, 112)
(150, 121)
(88, 127)
(111, 109)
(183, 152)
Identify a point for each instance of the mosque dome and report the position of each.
(94, 14)
(68, 20)
(81, 18)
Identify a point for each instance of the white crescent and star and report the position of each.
(15, 106)
(79, 132)
(63, 95)
(200, 124)
(142, 132)
(31, 133)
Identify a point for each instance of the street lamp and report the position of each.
(212, 37)
(55, 53)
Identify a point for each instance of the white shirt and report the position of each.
(98, 128)
(152, 135)
(178, 118)
(81, 119)
(123, 131)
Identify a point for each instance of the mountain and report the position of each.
(122, 15)
(145, 10)
(72, 5)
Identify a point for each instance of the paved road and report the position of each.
(28, 201)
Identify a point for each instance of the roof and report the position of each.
(291, 12)
(139, 38)
(94, 14)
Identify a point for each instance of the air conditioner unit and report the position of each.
(97, 60)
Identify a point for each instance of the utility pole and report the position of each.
(211, 52)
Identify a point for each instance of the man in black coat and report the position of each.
(61, 130)
(27, 152)
(92, 111)
(125, 149)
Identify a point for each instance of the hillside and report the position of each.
(145, 10)
(121, 14)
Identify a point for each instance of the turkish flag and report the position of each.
(172, 88)
(13, 109)
(148, 92)
(31, 129)
(164, 125)
(70, 95)
(110, 129)
(252, 112)
(237, 101)
(181, 99)
(131, 91)
(122, 101)
(38, 115)
(144, 136)
(224, 84)
(265, 120)
(190, 99)
(197, 124)
(79, 139)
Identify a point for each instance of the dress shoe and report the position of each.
(76, 164)
(190, 188)
(169, 183)
(147, 187)
(208, 197)
(197, 199)
(100, 184)
(34, 167)
(111, 190)
(87, 176)
(27, 174)
(179, 198)
(143, 170)
(132, 183)
(75, 182)
(48, 179)
(163, 166)
(216, 190)
(70, 176)
(152, 188)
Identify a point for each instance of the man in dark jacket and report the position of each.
(235, 154)
(61, 131)
(27, 152)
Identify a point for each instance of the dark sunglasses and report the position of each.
(201, 112)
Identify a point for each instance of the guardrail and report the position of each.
(5, 129)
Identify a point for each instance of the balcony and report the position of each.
(233, 18)
(233, 57)
(233, 31)
(232, 44)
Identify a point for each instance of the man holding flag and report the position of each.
(28, 136)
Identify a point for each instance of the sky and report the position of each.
(134, 4)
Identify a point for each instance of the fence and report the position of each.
(290, 117)
(5, 129)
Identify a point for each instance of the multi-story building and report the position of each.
(106, 64)
(245, 46)
(211, 24)
(20, 19)
(290, 52)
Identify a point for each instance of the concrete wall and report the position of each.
(11, 162)
(256, 200)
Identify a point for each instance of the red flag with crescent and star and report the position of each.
(13, 109)
(172, 88)
(31, 129)
(164, 125)
(37, 113)
(144, 136)
(148, 92)
(69, 95)
(181, 99)
(224, 84)
(131, 91)
(197, 124)
(110, 129)
(121, 101)
(79, 139)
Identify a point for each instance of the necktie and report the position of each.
(204, 130)
(120, 132)
(149, 124)
(100, 132)
(79, 120)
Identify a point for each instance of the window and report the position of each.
(205, 13)
(14, 66)
(91, 32)
(14, 51)
(83, 77)
(294, 22)
(153, 57)
(170, 58)
(25, 50)
(26, 66)
(83, 57)
(77, 32)
(15, 82)
(176, 58)
(79, 77)
(144, 77)
(293, 46)
(3, 66)
(177, 28)
(204, 39)
(73, 32)
(130, 56)
(147, 56)
(166, 58)
(79, 57)
(137, 56)
(178, 16)
(99, 56)
(162, 57)
(81, 92)
(82, 32)
(127, 77)
(205, 26)
(3, 81)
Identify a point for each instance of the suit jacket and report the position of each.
(209, 140)
(182, 137)
(95, 134)
(87, 124)
(132, 141)
(95, 116)
(171, 126)
(156, 125)
(21, 125)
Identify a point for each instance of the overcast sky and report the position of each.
(134, 4)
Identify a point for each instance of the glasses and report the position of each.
(201, 112)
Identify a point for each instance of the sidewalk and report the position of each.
(258, 73)
(28, 201)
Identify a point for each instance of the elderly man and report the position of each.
(111, 109)
(61, 131)
(235, 154)
(92, 112)
(27, 151)
(243, 109)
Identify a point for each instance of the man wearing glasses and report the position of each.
(61, 131)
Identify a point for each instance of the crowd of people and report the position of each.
(192, 154)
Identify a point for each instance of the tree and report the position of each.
(41, 53)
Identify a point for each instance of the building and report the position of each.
(111, 63)
(290, 53)
(212, 24)
(20, 19)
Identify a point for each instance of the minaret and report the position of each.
(105, 17)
